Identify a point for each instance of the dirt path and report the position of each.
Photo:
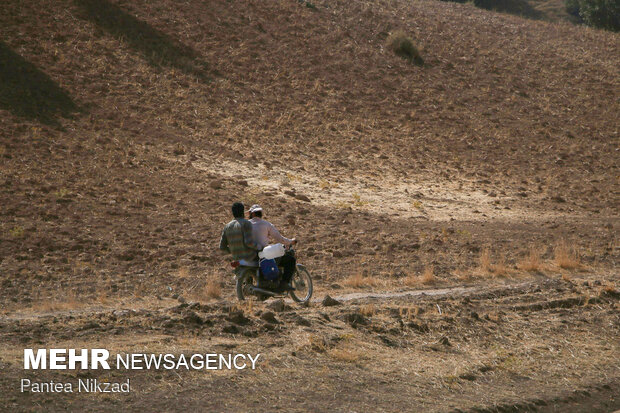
(348, 297)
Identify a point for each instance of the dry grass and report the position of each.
(609, 288)
(409, 313)
(486, 266)
(213, 289)
(500, 269)
(411, 280)
(345, 354)
(532, 261)
(566, 256)
(102, 296)
(484, 263)
(463, 275)
(139, 290)
(368, 310)
(317, 343)
(427, 277)
(183, 272)
(359, 280)
(69, 301)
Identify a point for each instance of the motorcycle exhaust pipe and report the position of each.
(262, 291)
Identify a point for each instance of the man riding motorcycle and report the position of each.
(262, 231)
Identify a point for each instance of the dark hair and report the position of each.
(237, 210)
(258, 214)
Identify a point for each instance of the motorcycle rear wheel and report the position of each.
(244, 282)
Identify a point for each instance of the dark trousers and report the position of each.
(288, 262)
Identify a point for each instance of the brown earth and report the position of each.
(127, 128)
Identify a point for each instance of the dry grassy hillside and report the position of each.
(107, 107)
(128, 127)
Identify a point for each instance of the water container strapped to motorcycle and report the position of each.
(272, 251)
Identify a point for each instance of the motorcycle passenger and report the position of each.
(262, 231)
(237, 237)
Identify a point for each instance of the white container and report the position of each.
(272, 251)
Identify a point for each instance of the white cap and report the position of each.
(255, 208)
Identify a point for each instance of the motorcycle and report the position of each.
(250, 283)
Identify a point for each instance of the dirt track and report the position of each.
(496, 338)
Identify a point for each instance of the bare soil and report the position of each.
(127, 128)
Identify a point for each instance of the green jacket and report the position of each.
(237, 239)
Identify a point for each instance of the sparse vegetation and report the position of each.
(368, 310)
(566, 256)
(408, 313)
(346, 354)
(500, 269)
(213, 289)
(359, 280)
(532, 261)
(485, 261)
(357, 200)
(428, 275)
(17, 231)
(486, 266)
(402, 45)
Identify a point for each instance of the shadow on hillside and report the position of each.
(156, 47)
(28, 92)
(518, 7)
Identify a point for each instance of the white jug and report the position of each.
(272, 251)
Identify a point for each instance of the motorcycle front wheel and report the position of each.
(302, 282)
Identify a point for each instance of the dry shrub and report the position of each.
(609, 290)
(358, 280)
(500, 269)
(213, 289)
(402, 46)
(565, 256)
(102, 296)
(318, 343)
(428, 276)
(463, 275)
(408, 313)
(411, 280)
(69, 301)
(368, 310)
(183, 272)
(346, 354)
(531, 262)
(139, 290)
(486, 266)
(485, 261)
